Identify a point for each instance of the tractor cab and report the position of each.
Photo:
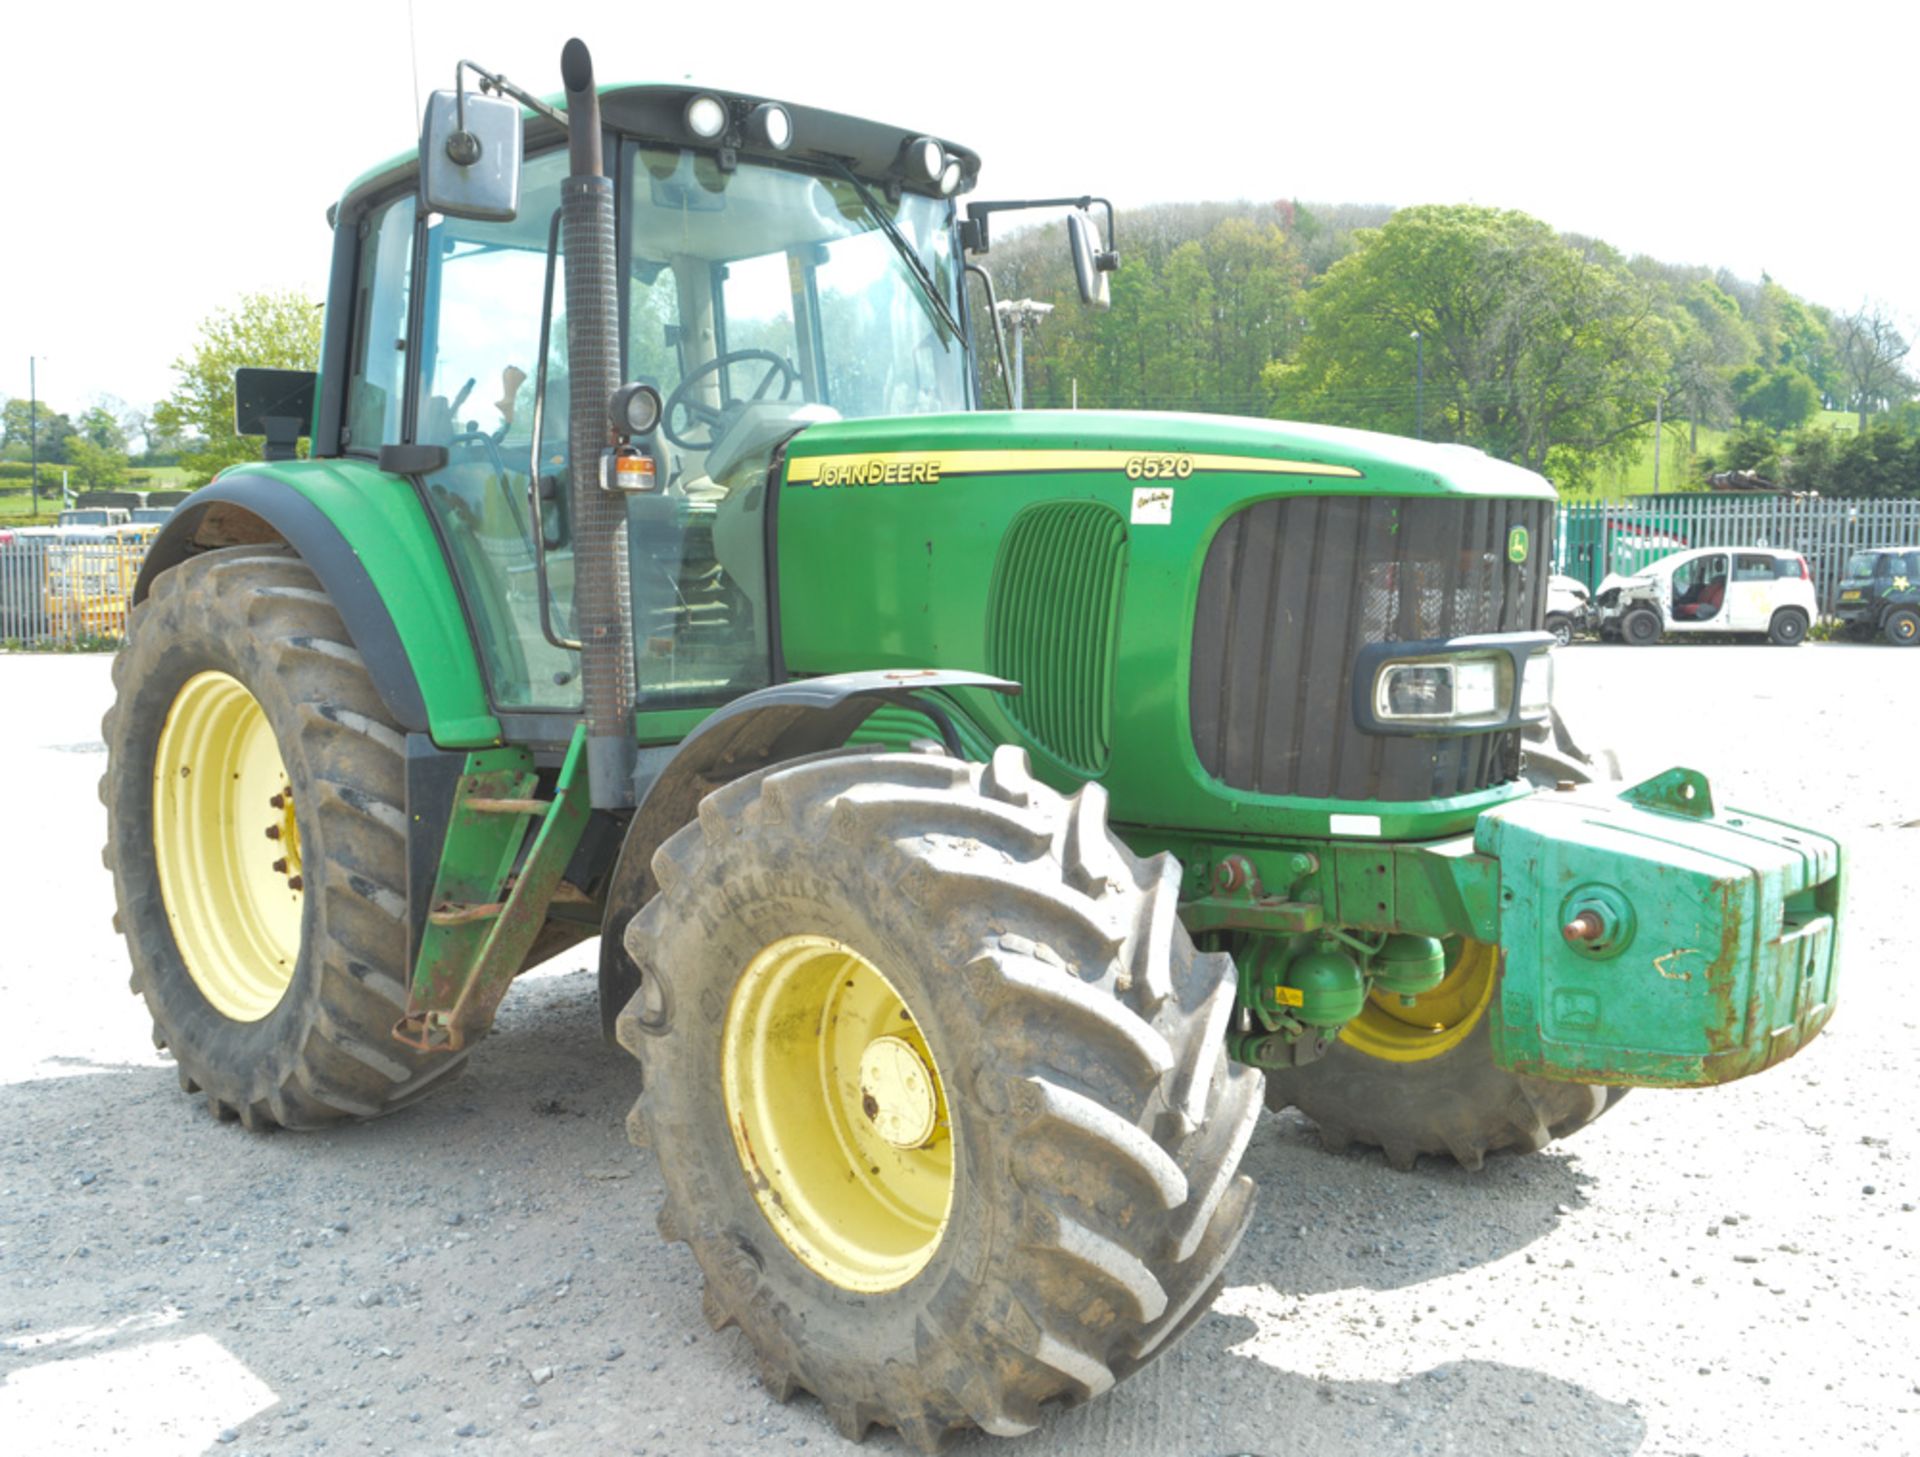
(810, 273)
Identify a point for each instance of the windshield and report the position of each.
(783, 285)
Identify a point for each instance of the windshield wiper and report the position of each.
(906, 251)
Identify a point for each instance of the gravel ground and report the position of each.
(1727, 1271)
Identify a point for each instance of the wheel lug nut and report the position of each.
(279, 801)
(294, 882)
(279, 867)
(273, 832)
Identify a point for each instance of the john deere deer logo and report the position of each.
(1517, 544)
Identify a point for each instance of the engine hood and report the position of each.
(1146, 445)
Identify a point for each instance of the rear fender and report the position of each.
(366, 536)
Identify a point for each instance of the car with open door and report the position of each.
(1741, 590)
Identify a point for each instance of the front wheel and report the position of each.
(1421, 1079)
(1561, 626)
(1902, 627)
(1640, 628)
(1788, 628)
(938, 1088)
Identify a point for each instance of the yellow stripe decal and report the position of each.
(925, 467)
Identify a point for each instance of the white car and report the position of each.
(1711, 590)
(1568, 603)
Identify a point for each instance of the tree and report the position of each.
(101, 427)
(96, 467)
(1539, 351)
(1871, 350)
(272, 330)
(55, 430)
(1781, 399)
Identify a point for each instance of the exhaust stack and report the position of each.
(603, 599)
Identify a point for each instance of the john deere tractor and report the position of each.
(976, 808)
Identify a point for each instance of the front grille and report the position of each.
(1055, 598)
(1292, 589)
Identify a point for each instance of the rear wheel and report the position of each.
(938, 1088)
(1641, 627)
(1788, 628)
(1902, 627)
(1422, 1079)
(257, 840)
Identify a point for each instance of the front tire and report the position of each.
(1902, 627)
(1422, 1079)
(1031, 1190)
(1640, 628)
(257, 839)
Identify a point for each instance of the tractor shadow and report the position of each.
(1328, 1222)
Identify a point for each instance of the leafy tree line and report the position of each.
(1465, 324)
(193, 427)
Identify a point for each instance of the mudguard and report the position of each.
(367, 537)
(775, 724)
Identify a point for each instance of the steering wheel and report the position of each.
(716, 420)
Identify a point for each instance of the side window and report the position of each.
(377, 387)
(1751, 567)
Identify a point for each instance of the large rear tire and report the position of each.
(938, 1086)
(257, 839)
(1422, 1079)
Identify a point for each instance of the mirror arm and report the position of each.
(993, 312)
(978, 214)
(500, 85)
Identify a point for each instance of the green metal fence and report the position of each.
(1595, 538)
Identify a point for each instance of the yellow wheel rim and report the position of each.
(838, 1112)
(226, 845)
(1438, 1021)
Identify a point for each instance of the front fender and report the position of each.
(367, 538)
(775, 724)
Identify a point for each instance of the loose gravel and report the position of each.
(1726, 1271)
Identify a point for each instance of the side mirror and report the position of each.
(470, 156)
(1091, 264)
(276, 403)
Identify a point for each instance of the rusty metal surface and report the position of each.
(479, 933)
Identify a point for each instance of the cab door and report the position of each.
(1750, 593)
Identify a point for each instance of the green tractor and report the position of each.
(977, 809)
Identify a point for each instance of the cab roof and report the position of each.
(655, 113)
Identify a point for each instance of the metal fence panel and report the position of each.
(62, 592)
(1598, 537)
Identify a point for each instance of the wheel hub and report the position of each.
(896, 1092)
(838, 1113)
(226, 844)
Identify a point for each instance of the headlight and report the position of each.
(1460, 691)
(1436, 687)
(1536, 686)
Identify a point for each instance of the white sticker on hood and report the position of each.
(1153, 505)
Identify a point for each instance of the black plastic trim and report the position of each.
(307, 530)
(433, 777)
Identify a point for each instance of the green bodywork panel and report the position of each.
(491, 899)
(477, 857)
(1724, 936)
(932, 512)
(381, 518)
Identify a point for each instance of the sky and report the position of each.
(196, 155)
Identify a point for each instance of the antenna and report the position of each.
(413, 56)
